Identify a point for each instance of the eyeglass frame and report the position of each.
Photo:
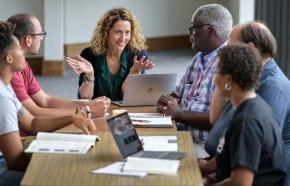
(43, 34)
(193, 28)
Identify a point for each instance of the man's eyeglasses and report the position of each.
(194, 28)
(42, 34)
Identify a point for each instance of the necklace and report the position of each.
(113, 78)
(113, 84)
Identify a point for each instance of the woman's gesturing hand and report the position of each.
(80, 65)
(141, 64)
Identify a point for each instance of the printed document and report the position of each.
(151, 166)
(159, 143)
(61, 143)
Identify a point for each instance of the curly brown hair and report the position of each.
(7, 38)
(243, 63)
(100, 36)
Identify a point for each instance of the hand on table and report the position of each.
(84, 124)
(169, 106)
(99, 106)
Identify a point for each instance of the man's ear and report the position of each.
(8, 58)
(26, 41)
(212, 30)
(251, 44)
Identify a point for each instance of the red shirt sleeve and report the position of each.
(24, 83)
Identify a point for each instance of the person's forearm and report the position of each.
(20, 164)
(56, 102)
(86, 90)
(217, 106)
(49, 124)
(198, 120)
(50, 111)
(225, 182)
(209, 167)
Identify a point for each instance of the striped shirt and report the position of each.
(195, 90)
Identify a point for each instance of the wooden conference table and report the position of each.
(65, 169)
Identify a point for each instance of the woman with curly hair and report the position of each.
(117, 49)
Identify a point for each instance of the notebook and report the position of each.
(145, 89)
(129, 143)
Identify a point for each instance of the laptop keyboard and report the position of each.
(173, 155)
(161, 155)
(151, 154)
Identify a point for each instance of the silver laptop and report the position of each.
(129, 143)
(145, 89)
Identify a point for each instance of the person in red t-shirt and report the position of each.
(30, 34)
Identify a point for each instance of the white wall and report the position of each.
(11, 7)
(53, 19)
(246, 10)
(157, 17)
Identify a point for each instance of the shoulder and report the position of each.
(273, 87)
(89, 55)
(8, 101)
(8, 116)
(88, 52)
(255, 111)
(6, 93)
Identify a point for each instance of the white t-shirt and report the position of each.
(10, 106)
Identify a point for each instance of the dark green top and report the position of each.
(107, 84)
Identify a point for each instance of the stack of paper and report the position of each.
(61, 143)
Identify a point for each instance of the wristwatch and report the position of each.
(79, 111)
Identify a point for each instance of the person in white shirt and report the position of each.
(14, 116)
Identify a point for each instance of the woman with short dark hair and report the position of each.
(251, 151)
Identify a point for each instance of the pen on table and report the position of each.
(141, 120)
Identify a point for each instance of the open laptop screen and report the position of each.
(124, 134)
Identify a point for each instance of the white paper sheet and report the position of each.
(117, 169)
(151, 166)
(159, 143)
(200, 151)
(163, 121)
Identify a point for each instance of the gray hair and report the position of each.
(216, 15)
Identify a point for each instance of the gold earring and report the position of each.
(228, 87)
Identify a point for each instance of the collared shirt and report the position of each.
(195, 89)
